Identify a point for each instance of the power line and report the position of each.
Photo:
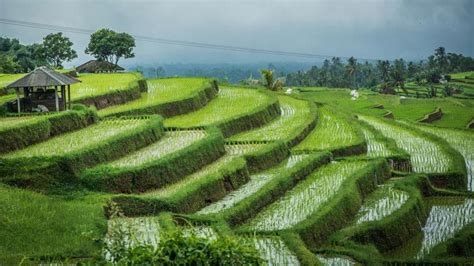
(36, 25)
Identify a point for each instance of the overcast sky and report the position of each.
(376, 29)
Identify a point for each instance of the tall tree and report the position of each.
(383, 67)
(107, 45)
(441, 59)
(351, 72)
(57, 49)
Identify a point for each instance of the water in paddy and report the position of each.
(447, 216)
(274, 251)
(335, 260)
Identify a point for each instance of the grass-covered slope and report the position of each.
(296, 116)
(234, 110)
(334, 133)
(168, 97)
(34, 225)
(20, 131)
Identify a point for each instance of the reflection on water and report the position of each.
(447, 217)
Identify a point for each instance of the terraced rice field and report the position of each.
(375, 147)
(99, 84)
(256, 182)
(240, 149)
(229, 103)
(306, 198)
(208, 170)
(443, 222)
(274, 251)
(73, 141)
(136, 231)
(9, 122)
(463, 142)
(160, 91)
(295, 116)
(6, 79)
(382, 202)
(172, 141)
(146, 231)
(331, 132)
(425, 156)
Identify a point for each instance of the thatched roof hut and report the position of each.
(40, 87)
(96, 66)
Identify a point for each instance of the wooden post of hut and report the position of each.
(40, 87)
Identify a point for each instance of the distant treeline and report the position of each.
(232, 73)
(352, 74)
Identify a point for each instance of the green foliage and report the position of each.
(108, 45)
(18, 58)
(178, 248)
(57, 49)
(34, 225)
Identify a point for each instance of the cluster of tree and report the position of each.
(16, 57)
(384, 74)
(56, 49)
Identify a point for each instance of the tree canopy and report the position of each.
(57, 49)
(108, 45)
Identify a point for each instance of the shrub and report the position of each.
(179, 248)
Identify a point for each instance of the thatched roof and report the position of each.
(43, 77)
(94, 66)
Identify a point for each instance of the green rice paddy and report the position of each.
(160, 91)
(331, 132)
(230, 102)
(295, 116)
(381, 203)
(426, 156)
(100, 84)
(74, 141)
(306, 198)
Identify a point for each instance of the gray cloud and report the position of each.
(363, 28)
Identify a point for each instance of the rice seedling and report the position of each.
(80, 139)
(99, 84)
(7, 98)
(9, 122)
(295, 115)
(160, 91)
(463, 142)
(443, 222)
(426, 156)
(189, 180)
(335, 261)
(169, 143)
(381, 203)
(230, 102)
(375, 147)
(134, 231)
(331, 132)
(256, 182)
(306, 198)
(273, 250)
(6, 79)
(202, 231)
(240, 149)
